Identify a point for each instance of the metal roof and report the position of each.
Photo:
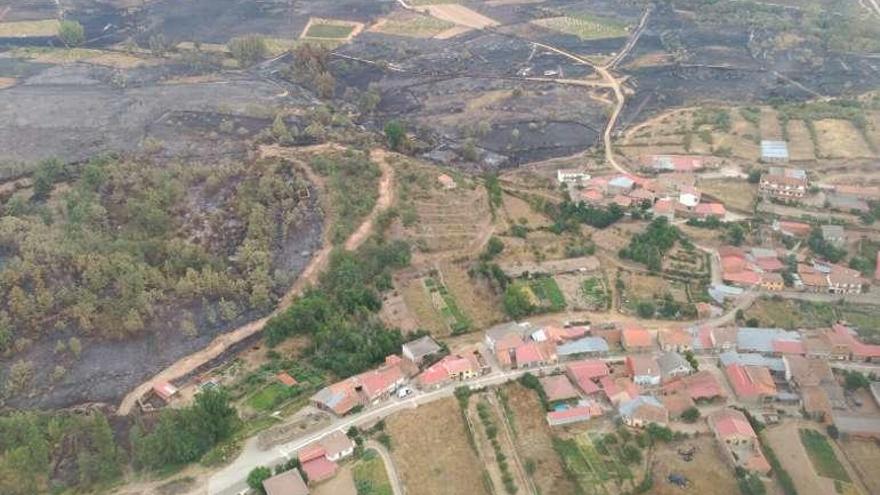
(761, 339)
(774, 149)
(582, 346)
(750, 359)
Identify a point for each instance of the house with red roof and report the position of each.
(751, 383)
(361, 390)
(782, 347)
(576, 414)
(702, 386)
(619, 389)
(634, 338)
(165, 391)
(794, 229)
(319, 469)
(449, 369)
(675, 339)
(664, 207)
(558, 388)
(285, 379)
(739, 441)
(534, 354)
(710, 210)
(586, 373)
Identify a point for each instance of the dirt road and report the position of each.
(308, 277)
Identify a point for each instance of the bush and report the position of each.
(248, 50)
(256, 477)
(71, 33)
(690, 415)
(395, 133)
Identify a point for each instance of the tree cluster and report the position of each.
(568, 216)
(650, 246)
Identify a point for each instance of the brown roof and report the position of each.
(336, 443)
(809, 372)
(286, 483)
(677, 403)
(558, 387)
(816, 401)
(675, 337)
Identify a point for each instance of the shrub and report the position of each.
(71, 33)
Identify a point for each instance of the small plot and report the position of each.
(736, 195)
(370, 476)
(840, 139)
(584, 26)
(29, 29)
(271, 396)
(770, 126)
(800, 144)
(330, 29)
(595, 472)
(596, 293)
(822, 455)
(411, 25)
(459, 14)
(446, 305)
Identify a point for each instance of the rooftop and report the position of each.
(557, 387)
(422, 347)
(286, 483)
(584, 345)
(774, 149)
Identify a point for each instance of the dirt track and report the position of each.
(309, 276)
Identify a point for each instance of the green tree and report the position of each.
(71, 33)
(395, 133)
(257, 476)
(690, 415)
(645, 309)
(248, 50)
(855, 380)
(516, 302)
(47, 173)
(736, 234)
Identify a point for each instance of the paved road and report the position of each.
(390, 468)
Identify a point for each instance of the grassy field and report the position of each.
(547, 291)
(822, 456)
(29, 29)
(353, 183)
(594, 470)
(436, 430)
(595, 292)
(370, 476)
(738, 195)
(270, 396)
(791, 314)
(446, 304)
(412, 25)
(331, 31)
(863, 455)
(584, 26)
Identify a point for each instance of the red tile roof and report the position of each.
(310, 452)
(578, 413)
(319, 469)
(730, 423)
(528, 353)
(710, 209)
(664, 206)
(746, 277)
(286, 379)
(770, 264)
(795, 228)
(557, 387)
(635, 336)
(642, 365)
(789, 347)
(675, 337)
(618, 390)
(584, 372)
(750, 382)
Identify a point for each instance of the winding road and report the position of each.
(390, 468)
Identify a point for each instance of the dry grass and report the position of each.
(863, 456)
(742, 138)
(113, 59)
(411, 25)
(800, 144)
(518, 210)
(770, 126)
(477, 302)
(7, 82)
(585, 27)
(708, 473)
(419, 304)
(341, 484)
(459, 14)
(29, 29)
(534, 441)
(785, 441)
(735, 194)
(431, 450)
(839, 139)
(874, 127)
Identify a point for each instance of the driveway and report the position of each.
(390, 468)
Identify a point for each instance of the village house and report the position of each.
(287, 483)
(634, 338)
(585, 374)
(618, 389)
(740, 443)
(620, 184)
(452, 368)
(772, 282)
(701, 386)
(337, 446)
(644, 370)
(361, 390)
(558, 388)
(664, 207)
(784, 183)
(753, 384)
(583, 347)
(792, 229)
(421, 349)
(675, 339)
(643, 411)
(704, 211)
(819, 390)
(673, 365)
(579, 413)
(673, 163)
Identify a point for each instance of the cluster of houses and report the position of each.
(761, 267)
(318, 462)
(668, 195)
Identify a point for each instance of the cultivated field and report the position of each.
(863, 455)
(585, 27)
(800, 144)
(459, 14)
(331, 29)
(839, 139)
(412, 25)
(786, 442)
(534, 440)
(29, 29)
(435, 432)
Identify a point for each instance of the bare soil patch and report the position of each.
(411, 24)
(7, 82)
(341, 484)
(707, 472)
(736, 194)
(863, 456)
(800, 143)
(459, 14)
(786, 442)
(431, 450)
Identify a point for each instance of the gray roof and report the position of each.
(846, 202)
(582, 346)
(847, 423)
(621, 181)
(629, 407)
(749, 359)
(832, 231)
(422, 347)
(671, 361)
(774, 149)
(761, 339)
